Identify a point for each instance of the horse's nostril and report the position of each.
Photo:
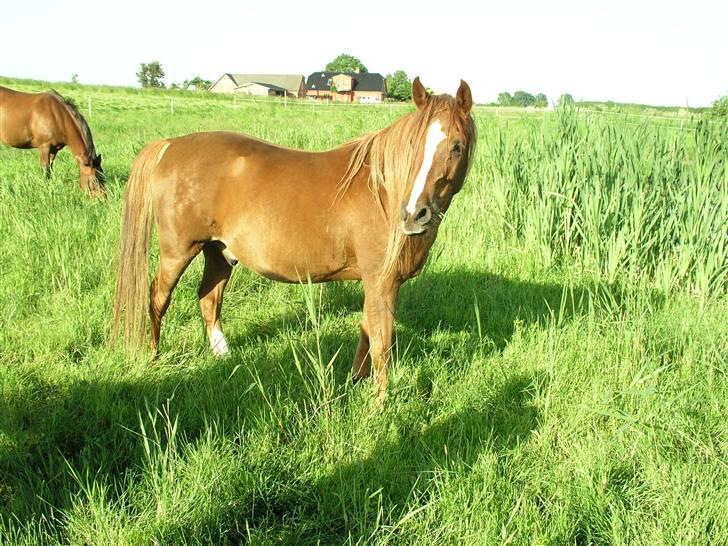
(423, 215)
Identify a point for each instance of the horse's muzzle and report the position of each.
(419, 222)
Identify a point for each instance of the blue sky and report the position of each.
(652, 52)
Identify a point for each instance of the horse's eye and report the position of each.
(457, 149)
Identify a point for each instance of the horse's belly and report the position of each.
(15, 127)
(15, 137)
(295, 259)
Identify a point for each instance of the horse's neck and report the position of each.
(75, 139)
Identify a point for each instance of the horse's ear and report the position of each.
(420, 96)
(463, 98)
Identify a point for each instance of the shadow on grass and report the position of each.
(89, 424)
(362, 497)
(92, 426)
(447, 301)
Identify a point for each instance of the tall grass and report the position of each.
(625, 202)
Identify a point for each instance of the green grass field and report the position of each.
(559, 375)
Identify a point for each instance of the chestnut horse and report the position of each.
(49, 122)
(369, 209)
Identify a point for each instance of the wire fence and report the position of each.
(105, 102)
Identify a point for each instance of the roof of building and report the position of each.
(262, 84)
(363, 81)
(291, 82)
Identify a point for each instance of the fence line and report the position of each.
(167, 102)
(690, 120)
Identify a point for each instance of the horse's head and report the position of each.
(91, 177)
(442, 161)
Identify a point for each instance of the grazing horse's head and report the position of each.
(442, 160)
(91, 176)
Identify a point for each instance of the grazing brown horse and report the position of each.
(49, 122)
(369, 209)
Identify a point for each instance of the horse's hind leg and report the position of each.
(44, 151)
(52, 157)
(170, 269)
(215, 277)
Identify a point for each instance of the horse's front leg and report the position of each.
(362, 362)
(380, 299)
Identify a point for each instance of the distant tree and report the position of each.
(565, 100)
(523, 99)
(505, 99)
(198, 83)
(399, 86)
(74, 78)
(346, 63)
(151, 74)
(542, 101)
(720, 108)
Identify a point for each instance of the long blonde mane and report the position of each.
(391, 156)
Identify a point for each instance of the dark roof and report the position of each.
(363, 81)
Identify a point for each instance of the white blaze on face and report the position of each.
(435, 135)
(218, 343)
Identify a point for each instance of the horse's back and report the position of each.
(225, 170)
(15, 118)
(274, 207)
(28, 120)
(218, 147)
(235, 162)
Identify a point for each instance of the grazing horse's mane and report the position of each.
(80, 122)
(391, 155)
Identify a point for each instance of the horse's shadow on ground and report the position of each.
(349, 503)
(472, 303)
(460, 302)
(57, 428)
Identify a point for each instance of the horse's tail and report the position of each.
(132, 285)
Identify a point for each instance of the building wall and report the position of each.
(346, 96)
(226, 85)
(376, 96)
(301, 93)
(223, 85)
(318, 93)
(342, 82)
(255, 90)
